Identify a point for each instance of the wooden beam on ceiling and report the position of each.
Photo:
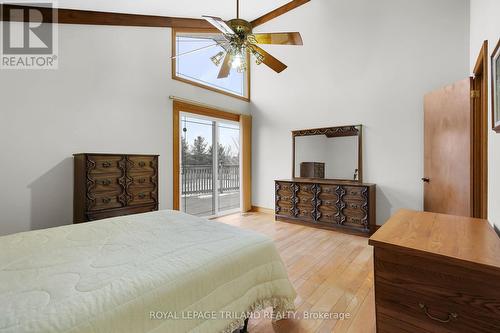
(74, 16)
(278, 12)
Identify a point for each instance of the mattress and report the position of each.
(163, 271)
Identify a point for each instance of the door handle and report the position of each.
(426, 180)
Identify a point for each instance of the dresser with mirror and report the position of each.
(326, 189)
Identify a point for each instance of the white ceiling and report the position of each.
(226, 9)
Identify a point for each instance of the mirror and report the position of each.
(329, 153)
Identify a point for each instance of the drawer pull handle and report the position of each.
(106, 200)
(451, 316)
(142, 195)
(106, 182)
(142, 180)
(106, 164)
(142, 164)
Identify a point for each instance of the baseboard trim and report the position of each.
(257, 209)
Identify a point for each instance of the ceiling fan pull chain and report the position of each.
(237, 9)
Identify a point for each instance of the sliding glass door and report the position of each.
(228, 166)
(210, 165)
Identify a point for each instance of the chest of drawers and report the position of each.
(337, 205)
(108, 185)
(436, 273)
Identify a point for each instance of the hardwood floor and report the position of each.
(332, 273)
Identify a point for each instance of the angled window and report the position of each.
(196, 53)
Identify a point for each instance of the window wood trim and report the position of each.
(200, 85)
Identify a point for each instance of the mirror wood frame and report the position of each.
(333, 132)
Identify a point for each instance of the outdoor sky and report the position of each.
(229, 134)
(197, 66)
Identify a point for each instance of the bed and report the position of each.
(163, 271)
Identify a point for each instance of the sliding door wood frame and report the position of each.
(479, 135)
(178, 107)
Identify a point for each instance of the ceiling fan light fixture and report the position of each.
(240, 41)
(238, 60)
(217, 59)
(259, 58)
(242, 67)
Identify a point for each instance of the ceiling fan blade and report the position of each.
(219, 24)
(194, 51)
(278, 12)
(280, 38)
(270, 61)
(226, 67)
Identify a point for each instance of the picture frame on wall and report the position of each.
(495, 87)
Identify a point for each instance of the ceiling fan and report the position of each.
(239, 41)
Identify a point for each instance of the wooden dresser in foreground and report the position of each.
(436, 273)
(108, 185)
(331, 204)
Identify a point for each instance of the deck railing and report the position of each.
(197, 179)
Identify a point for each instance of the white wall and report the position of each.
(110, 94)
(364, 62)
(485, 25)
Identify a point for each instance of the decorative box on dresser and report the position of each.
(436, 273)
(312, 170)
(347, 206)
(108, 185)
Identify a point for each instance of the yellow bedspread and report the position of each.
(157, 272)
